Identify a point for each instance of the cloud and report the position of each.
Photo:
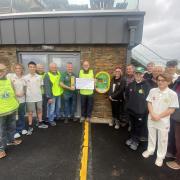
(162, 26)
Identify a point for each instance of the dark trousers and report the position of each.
(138, 124)
(117, 109)
(44, 108)
(86, 105)
(174, 140)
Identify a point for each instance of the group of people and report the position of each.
(145, 100)
(148, 101)
(42, 94)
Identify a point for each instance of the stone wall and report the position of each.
(101, 57)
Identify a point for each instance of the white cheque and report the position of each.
(84, 83)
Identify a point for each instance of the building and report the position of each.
(105, 38)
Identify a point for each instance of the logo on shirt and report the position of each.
(141, 91)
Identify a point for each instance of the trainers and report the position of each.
(15, 142)
(129, 142)
(24, 132)
(116, 126)
(134, 145)
(42, 125)
(173, 165)
(111, 123)
(17, 135)
(159, 162)
(146, 154)
(82, 119)
(30, 131)
(2, 154)
(52, 123)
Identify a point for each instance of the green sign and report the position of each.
(102, 82)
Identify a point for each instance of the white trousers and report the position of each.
(161, 135)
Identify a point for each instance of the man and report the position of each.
(129, 76)
(9, 105)
(34, 85)
(41, 71)
(148, 73)
(68, 84)
(86, 94)
(53, 92)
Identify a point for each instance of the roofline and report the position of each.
(72, 13)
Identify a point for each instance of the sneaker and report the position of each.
(17, 135)
(146, 154)
(159, 162)
(111, 124)
(82, 119)
(2, 154)
(134, 145)
(42, 125)
(24, 132)
(116, 126)
(129, 142)
(66, 121)
(173, 165)
(15, 142)
(52, 123)
(30, 131)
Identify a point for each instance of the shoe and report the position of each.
(146, 154)
(170, 155)
(2, 154)
(17, 135)
(75, 119)
(82, 119)
(24, 132)
(129, 142)
(116, 126)
(173, 165)
(52, 123)
(134, 145)
(159, 162)
(42, 125)
(15, 142)
(111, 123)
(66, 121)
(30, 131)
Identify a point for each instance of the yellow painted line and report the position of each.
(84, 157)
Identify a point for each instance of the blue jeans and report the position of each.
(7, 130)
(54, 108)
(20, 124)
(69, 105)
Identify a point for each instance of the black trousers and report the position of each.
(138, 126)
(117, 109)
(87, 105)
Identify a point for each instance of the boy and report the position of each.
(162, 102)
(34, 85)
(136, 94)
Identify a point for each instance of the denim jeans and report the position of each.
(20, 124)
(69, 105)
(54, 108)
(7, 130)
(86, 105)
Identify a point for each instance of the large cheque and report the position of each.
(84, 83)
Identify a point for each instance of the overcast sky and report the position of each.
(161, 26)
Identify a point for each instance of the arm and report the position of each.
(154, 116)
(167, 112)
(66, 87)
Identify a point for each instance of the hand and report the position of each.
(50, 101)
(155, 117)
(19, 94)
(72, 88)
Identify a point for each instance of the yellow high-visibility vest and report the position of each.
(57, 90)
(90, 74)
(8, 101)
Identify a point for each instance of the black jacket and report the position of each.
(118, 93)
(176, 87)
(136, 94)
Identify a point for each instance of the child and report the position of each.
(34, 84)
(162, 102)
(136, 94)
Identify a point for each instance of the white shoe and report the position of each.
(24, 132)
(17, 135)
(146, 154)
(110, 123)
(116, 126)
(159, 162)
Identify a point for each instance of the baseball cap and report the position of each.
(172, 63)
(139, 70)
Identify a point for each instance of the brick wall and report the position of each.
(101, 57)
